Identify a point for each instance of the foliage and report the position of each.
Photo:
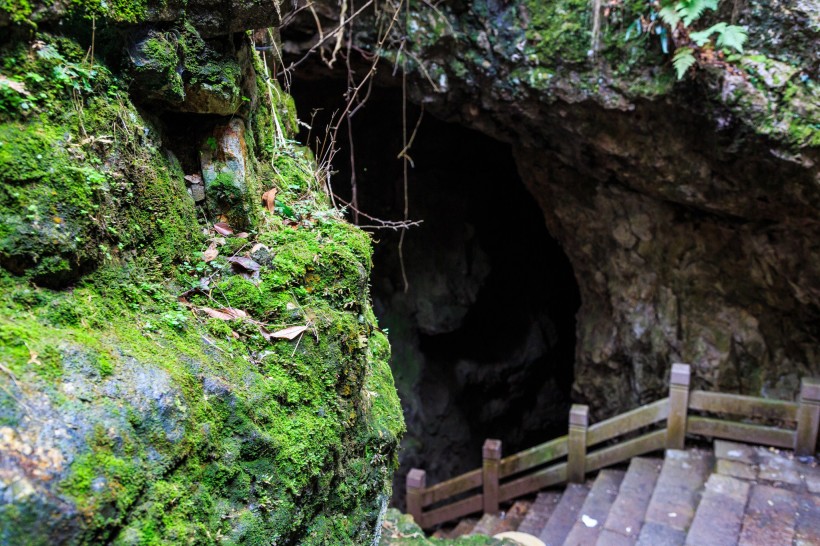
(675, 19)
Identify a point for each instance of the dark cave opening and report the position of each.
(484, 337)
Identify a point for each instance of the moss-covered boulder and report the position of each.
(164, 380)
(179, 68)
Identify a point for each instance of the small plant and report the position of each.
(675, 18)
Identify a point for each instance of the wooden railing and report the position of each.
(659, 425)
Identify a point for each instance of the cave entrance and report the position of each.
(484, 337)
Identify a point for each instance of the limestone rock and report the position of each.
(225, 174)
(182, 71)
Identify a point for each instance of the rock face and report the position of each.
(153, 389)
(688, 209)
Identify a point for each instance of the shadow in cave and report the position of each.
(484, 337)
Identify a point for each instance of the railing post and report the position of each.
(491, 453)
(577, 443)
(416, 482)
(678, 406)
(808, 417)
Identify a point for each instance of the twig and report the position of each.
(409, 144)
(321, 42)
(380, 223)
(405, 158)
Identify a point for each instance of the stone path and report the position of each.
(733, 495)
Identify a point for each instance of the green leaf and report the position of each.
(669, 15)
(702, 37)
(691, 10)
(733, 37)
(684, 58)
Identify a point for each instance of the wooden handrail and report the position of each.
(747, 406)
(631, 420)
(451, 488)
(534, 456)
(503, 479)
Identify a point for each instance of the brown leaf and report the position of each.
(241, 264)
(226, 313)
(20, 87)
(243, 235)
(223, 229)
(288, 333)
(269, 199)
(210, 254)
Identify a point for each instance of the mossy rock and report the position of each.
(129, 416)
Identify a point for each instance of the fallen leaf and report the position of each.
(243, 235)
(244, 264)
(20, 87)
(234, 334)
(210, 254)
(269, 199)
(289, 333)
(226, 313)
(223, 229)
(33, 357)
(193, 179)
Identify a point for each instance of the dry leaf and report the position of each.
(20, 87)
(269, 199)
(288, 333)
(210, 254)
(244, 264)
(243, 235)
(193, 179)
(226, 313)
(223, 229)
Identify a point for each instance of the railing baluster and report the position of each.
(491, 453)
(808, 417)
(576, 457)
(416, 482)
(678, 406)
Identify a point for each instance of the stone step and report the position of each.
(719, 515)
(676, 497)
(564, 516)
(464, 527)
(770, 517)
(506, 521)
(625, 519)
(807, 527)
(595, 509)
(540, 512)
(486, 525)
(760, 464)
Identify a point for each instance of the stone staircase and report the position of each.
(736, 494)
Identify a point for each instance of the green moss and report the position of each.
(189, 429)
(400, 529)
(559, 31)
(19, 11)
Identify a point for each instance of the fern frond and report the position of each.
(684, 58)
(669, 15)
(733, 37)
(691, 10)
(703, 36)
